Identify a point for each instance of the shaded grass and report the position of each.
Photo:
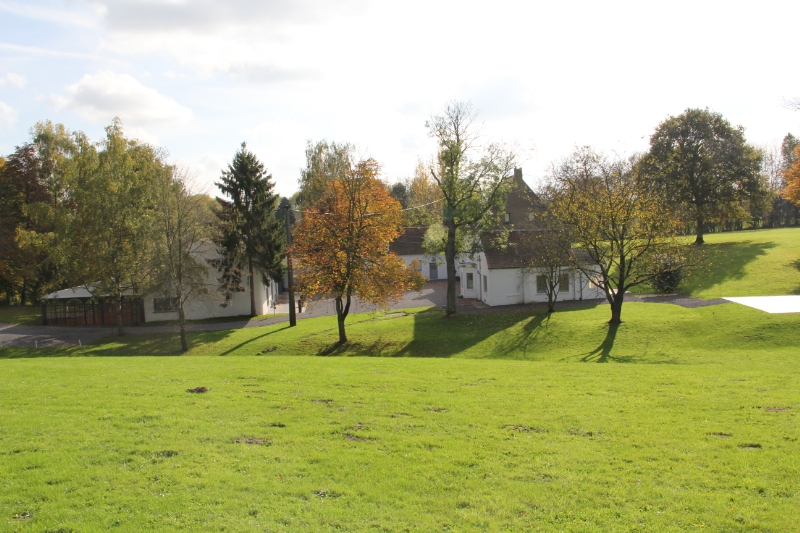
(24, 315)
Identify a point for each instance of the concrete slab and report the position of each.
(769, 304)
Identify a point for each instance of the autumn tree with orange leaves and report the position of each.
(341, 246)
(792, 177)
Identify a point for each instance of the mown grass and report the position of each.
(403, 444)
(491, 422)
(479, 423)
(748, 263)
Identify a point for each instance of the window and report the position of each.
(541, 284)
(485, 284)
(165, 305)
(470, 281)
(563, 283)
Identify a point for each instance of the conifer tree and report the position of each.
(250, 240)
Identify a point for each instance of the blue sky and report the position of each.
(200, 77)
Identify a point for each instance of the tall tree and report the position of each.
(250, 237)
(24, 268)
(185, 221)
(342, 244)
(424, 198)
(704, 164)
(792, 178)
(617, 217)
(473, 180)
(325, 162)
(111, 236)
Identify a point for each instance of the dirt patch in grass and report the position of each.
(524, 429)
(750, 446)
(269, 350)
(777, 409)
(580, 432)
(436, 410)
(198, 390)
(354, 438)
(325, 493)
(400, 415)
(322, 401)
(721, 435)
(166, 454)
(26, 515)
(251, 441)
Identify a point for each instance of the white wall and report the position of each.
(208, 306)
(515, 286)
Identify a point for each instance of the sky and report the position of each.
(198, 78)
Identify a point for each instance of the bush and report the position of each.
(668, 273)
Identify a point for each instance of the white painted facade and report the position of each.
(510, 286)
(209, 305)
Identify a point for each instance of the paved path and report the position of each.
(770, 304)
(433, 295)
(48, 336)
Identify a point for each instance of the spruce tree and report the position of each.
(250, 240)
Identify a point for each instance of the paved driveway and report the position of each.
(48, 336)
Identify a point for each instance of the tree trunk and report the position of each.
(450, 259)
(120, 331)
(182, 321)
(23, 296)
(616, 308)
(252, 288)
(700, 222)
(340, 316)
(290, 273)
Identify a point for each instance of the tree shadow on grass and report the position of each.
(158, 344)
(796, 264)
(253, 339)
(602, 354)
(725, 261)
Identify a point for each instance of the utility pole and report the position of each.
(289, 274)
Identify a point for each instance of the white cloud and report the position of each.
(15, 79)
(8, 115)
(100, 97)
(57, 16)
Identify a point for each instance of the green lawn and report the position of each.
(748, 263)
(478, 423)
(493, 422)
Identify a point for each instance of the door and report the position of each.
(434, 271)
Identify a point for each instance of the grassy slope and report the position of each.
(413, 443)
(749, 263)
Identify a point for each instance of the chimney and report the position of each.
(518, 174)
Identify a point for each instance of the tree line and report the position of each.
(114, 216)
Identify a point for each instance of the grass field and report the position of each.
(748, 263)
(494, 422)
